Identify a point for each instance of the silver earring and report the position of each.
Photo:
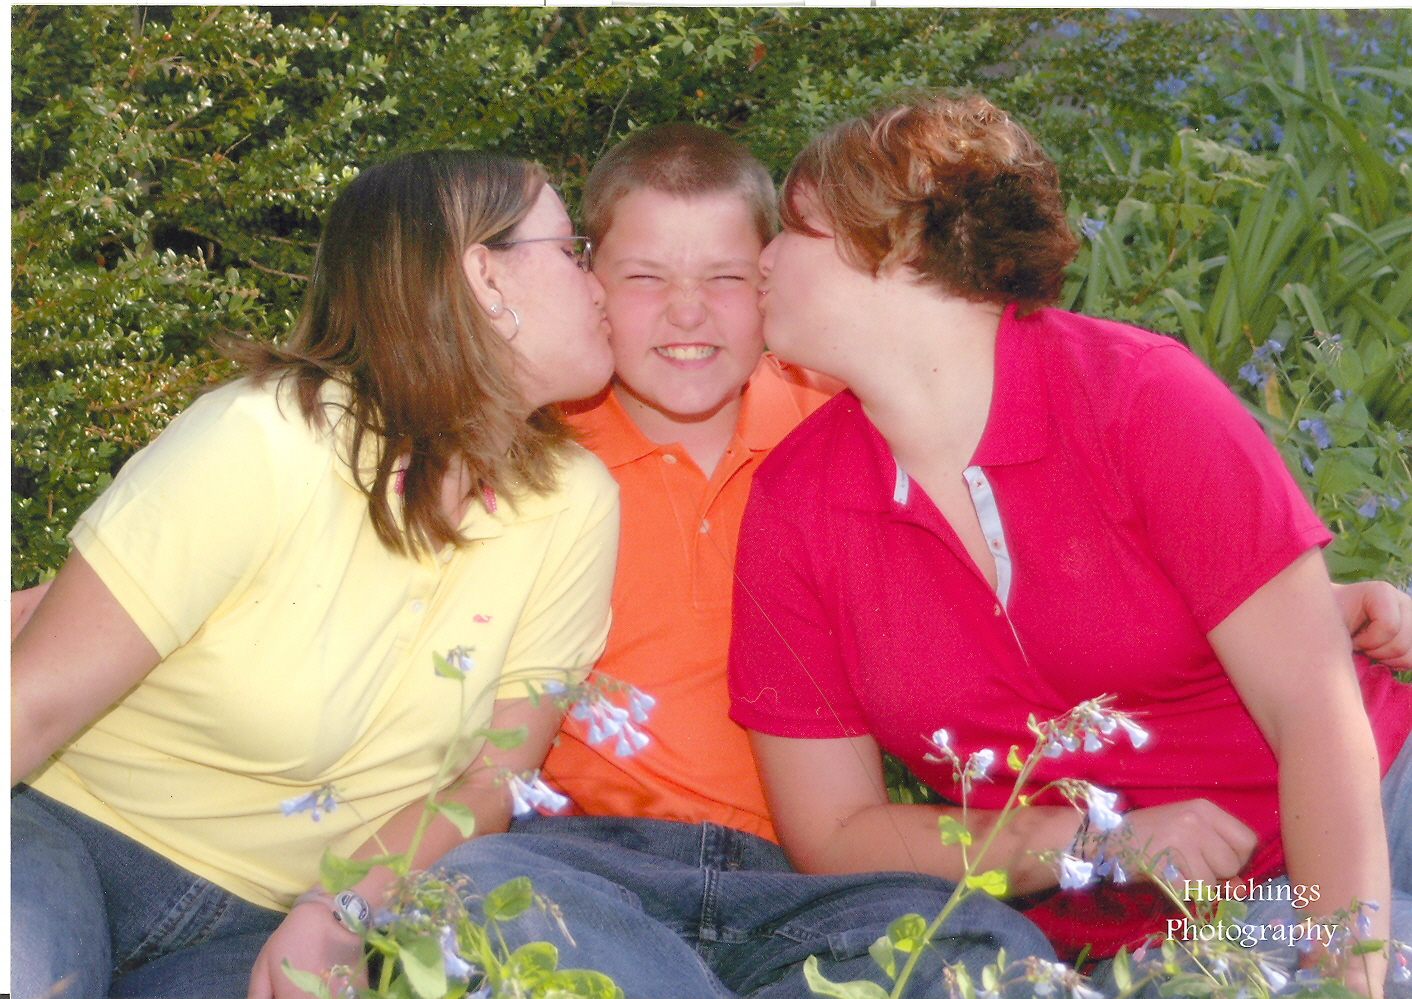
(495, 310)
(515, 316)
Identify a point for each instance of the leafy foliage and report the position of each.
(170, 166)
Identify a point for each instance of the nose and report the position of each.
(595, 290)
(767, 257)
(686, 310)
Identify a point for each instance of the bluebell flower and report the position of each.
(452, 962)
(978, 767)
(1369, 507)
(1276, 977)
(1318, 430)
(1052, 749)
(639, 704)
(1074, 873)
(1392, 502)
(1067, 29)
(1092, 743)
(1091, 227)
(1250, 373)
(460, 657)
(1337, 395)
(1137, 735)
(527, 796)
(318, 803)
(1100, 809)
(1306, 464)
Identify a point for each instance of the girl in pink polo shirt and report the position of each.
(1016, 509)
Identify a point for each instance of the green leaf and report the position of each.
(505, 738)
(305, 981)
(884, 955)
(952, 831)
(459, 815)
(511, 899)
(992, 882)
(1014, 760)
(444, 668)
(820, 985)
(339, 873)
(421, 961)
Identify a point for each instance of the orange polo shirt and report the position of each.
(672, 614)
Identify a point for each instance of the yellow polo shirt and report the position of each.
(297, 650)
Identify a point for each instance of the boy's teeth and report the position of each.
(696, 352)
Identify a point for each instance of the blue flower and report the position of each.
(528, 795)
(1091, 227)
(1074, 873)
(1369, 507)
(1306, 464)
(1100, 809)
(1277, 977)
(980, 763)
(452, 962)
(1136, 733)
(318, 803)
(1317, 429)
(1248, 372)
(1067, 29)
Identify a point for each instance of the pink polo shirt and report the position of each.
(1131, 503)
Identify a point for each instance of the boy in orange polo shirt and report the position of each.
(668, 876)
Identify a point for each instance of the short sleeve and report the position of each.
(564, 626)
(787, 675)
(190, 518)
(1221, 511)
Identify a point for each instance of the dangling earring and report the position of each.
(515, 316)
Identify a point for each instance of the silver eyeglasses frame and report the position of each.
(583, 247)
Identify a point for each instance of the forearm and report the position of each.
(1333, 831)
(904, 837)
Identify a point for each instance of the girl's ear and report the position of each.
(481, 269)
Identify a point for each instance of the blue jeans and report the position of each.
(95, 914)
(670, 909)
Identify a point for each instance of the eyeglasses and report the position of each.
(582, 247)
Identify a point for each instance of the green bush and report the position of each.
(1287, 269)
(170, 164)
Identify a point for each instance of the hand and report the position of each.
(311, 940)
(1379, 617)
(22, 605)
(1201, 840)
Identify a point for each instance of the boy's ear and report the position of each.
(481, 270)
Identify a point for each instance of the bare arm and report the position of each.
(312, 940)
(77, 655)
(830, 808)
(1287, 653)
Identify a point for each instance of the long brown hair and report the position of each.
(389, 316)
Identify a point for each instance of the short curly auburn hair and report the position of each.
(949, 187)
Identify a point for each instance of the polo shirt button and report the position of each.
(705, 526)
(670, 459)
(997, 610)
(417, 606)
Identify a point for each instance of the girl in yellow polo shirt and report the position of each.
(250, 611)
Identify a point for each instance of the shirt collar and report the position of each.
(1017, 429)
(866, 476)
(768, 413)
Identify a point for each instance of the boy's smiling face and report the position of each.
(681, 277)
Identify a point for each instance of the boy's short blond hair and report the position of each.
(682, 159)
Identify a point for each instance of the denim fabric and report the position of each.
(670, 909)
(102, 914)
